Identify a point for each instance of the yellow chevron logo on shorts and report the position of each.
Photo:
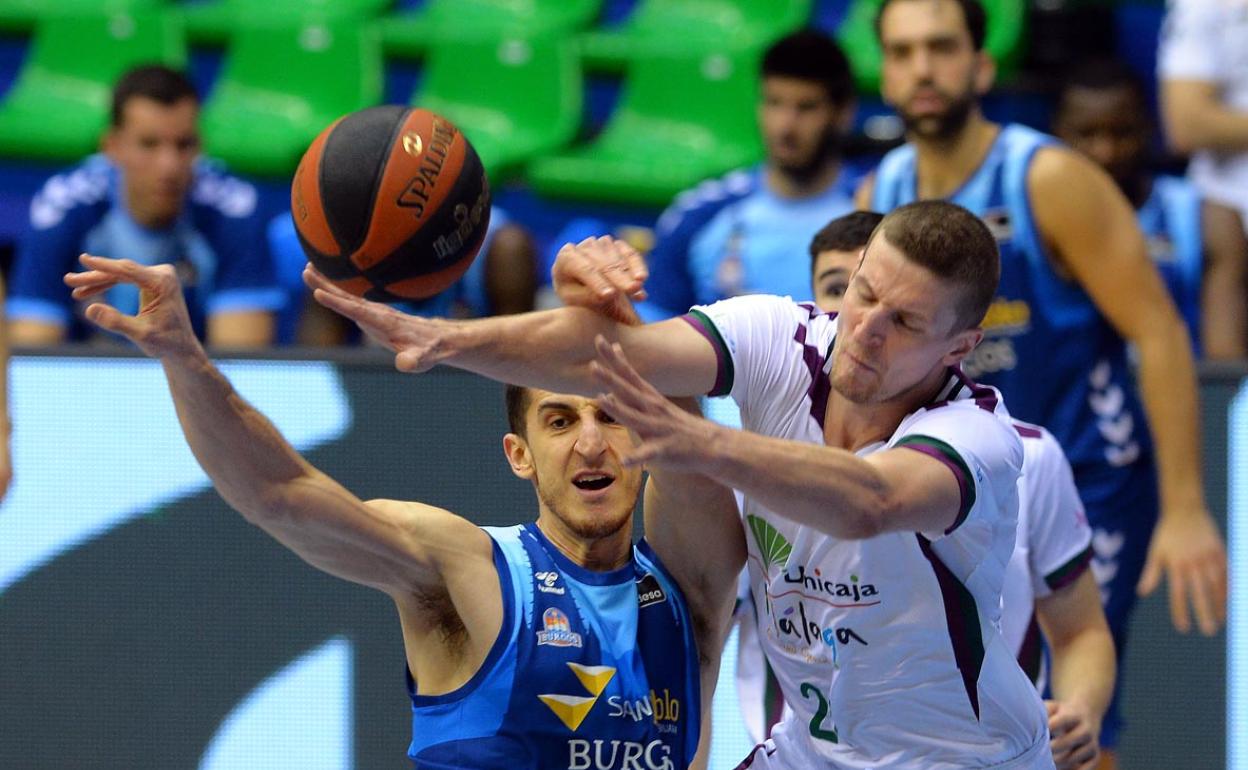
(572, 709)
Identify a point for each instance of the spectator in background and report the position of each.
(1198, 245)
(502, 280)
(748, 231)
(150, 197)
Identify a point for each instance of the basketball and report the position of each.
(391, 203)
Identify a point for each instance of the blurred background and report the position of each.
(142, 623)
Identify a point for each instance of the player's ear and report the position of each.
(985, 72)
(519, 457)
(962, 344)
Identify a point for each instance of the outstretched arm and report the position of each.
(400, 548)
(898, 489)
(1091, 229)
(550, 349)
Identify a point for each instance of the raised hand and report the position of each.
(603, 274)
(161, 328)
(417, 342)
(669, 435)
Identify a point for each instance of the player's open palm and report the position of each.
(417, 342)
(1188, 550)
(162, 326)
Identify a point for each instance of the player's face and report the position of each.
(799, 123)
(572, 455)
(897, 324)
(833, 270)
(155, 147)
(931, 73)
(1107, 125)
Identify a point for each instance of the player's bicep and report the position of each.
(1092, 232)
(1071, 611)
(396, 547)
(674, 356)
(925, 487)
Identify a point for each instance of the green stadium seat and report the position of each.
(280, 85)
(515, 97)
(1005, 39)
(657, 27)
(58, 107)
(22, 15)
(682, 118)
(410, 34)
(212, 23)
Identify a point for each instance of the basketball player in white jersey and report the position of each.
(880, 485)
(1048, 585)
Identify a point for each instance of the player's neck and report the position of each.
(852, 426)
(147, 217)
(944, 164)
(599, 554)
(785, 184)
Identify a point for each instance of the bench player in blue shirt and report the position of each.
(1076, 287)
(148, 196)
(550, 644)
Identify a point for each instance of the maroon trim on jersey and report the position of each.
(723, 357)
(939, 450)
(820, 384)
(1027, 431)
(1070, 571)
(1031, 651)
(962, 619)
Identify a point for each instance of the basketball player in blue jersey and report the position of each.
(1197, 245)
(555, 644)
(746, 233)
(1076, 288)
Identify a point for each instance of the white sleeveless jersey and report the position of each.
(1054, 544)
(888, 649)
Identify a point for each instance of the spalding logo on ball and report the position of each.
(391, 203)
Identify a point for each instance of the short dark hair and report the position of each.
(972, 13)
(846, 233)
(953, 244)
(812, 55)
(1102, 73)
(151, 81)
(517, 409)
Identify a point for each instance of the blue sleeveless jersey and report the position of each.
(1046, 346)
(590, 670)
(1171, 222)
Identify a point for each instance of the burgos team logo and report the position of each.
(572, 709)
(557, 631)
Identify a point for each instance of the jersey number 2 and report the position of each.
(816, 722)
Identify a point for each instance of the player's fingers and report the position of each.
(583, 265)
(1151, 575)
(632, 264)
(1089, 758)
(315, 279)
(110, 319)
(1216, 575)
(1202, 600)
(1178, 601)
(89, 284)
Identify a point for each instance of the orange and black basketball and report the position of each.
(391, 203)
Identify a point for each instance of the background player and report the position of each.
(1196, 244)
(1076, 287)
(860, 576)
(526, 672)
(149, 196)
